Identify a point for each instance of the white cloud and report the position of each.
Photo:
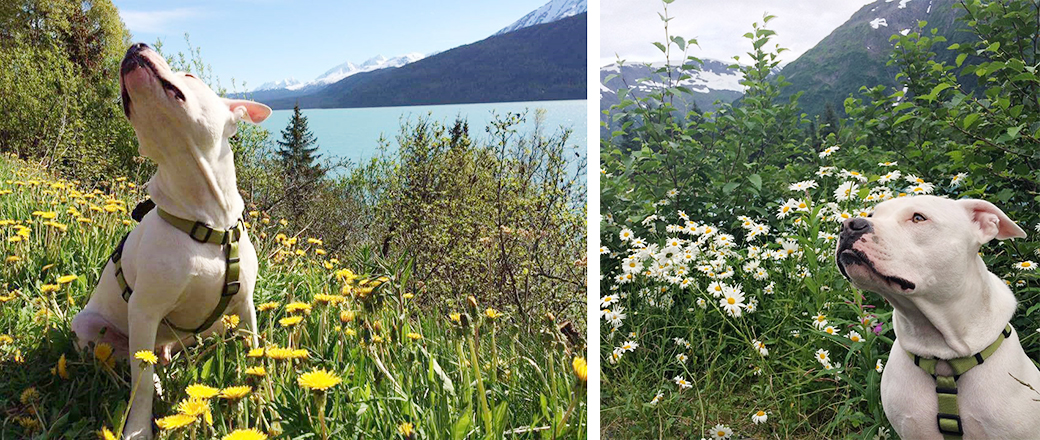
(155, 22)
(628, 28)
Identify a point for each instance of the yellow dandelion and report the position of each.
(245, 434)
(290, 321)
(5, 339)
(235, 393)
(267, 306)
(318, 380)
(12, 259)
(329, 299)
(346, 316)
(300, 353)
(406, 429)
(581, 369)
(10, 296)
(146, 356)
(49, 288)
(455, 317)
(62, 369)
(230, 321)
(200, 391)
(255, 352)
(103, 353)
(408, 296)
(29, 396)
(193, 406)
(279, 354)
(258, 371)
(175, 421)
(492, 313)
(105, 434)
(414, 336)
(298, 307)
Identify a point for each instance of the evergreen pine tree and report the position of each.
(297, 153)
(830, 122)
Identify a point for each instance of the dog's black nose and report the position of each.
(135, 48)
(856, 225)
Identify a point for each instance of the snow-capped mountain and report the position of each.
(549, 12)
(274, 85)
(339, 72)
(348, 68)
(714, 81)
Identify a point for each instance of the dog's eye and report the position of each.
(870, 215)
(918, 218)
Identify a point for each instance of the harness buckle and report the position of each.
(231, 288)
(195, 227)
(945, 428)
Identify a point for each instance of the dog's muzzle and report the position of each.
(851, 231)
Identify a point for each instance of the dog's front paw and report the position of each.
(138, 433)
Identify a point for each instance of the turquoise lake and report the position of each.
(354, 133)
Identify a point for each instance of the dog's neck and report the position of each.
(198, 184)
(957, 324)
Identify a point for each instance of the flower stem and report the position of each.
(486, 410)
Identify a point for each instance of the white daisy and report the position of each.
(759, 417)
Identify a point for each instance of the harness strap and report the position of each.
(948, 417)
(202, 233)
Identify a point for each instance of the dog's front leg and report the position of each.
(143, 328)
(247, 311)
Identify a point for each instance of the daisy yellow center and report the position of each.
(1027, 264)
(823, 356)
(760, 413)
(722, 433)
(731, 301)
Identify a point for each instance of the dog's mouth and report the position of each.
(851, 257)
(135, 59)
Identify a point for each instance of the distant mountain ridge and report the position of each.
(715, 81)
(536, 63)
(341, 71)
(548, 13)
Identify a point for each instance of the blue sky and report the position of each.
(265, 40)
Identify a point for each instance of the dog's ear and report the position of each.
(249, 111)
(991, 221)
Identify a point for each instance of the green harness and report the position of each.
(201, 233)
(949, 418)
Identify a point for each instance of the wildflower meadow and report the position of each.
(723, 312)
(345, 350)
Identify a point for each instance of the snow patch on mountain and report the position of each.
(878, 22)
(342, 71)
(274, 85)
(548, 13)
(902, 4)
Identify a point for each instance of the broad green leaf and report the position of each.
(756, 181)
(463, 425)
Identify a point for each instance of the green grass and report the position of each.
(432, 380)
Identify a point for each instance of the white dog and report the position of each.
(169, 277)
(921, 254)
